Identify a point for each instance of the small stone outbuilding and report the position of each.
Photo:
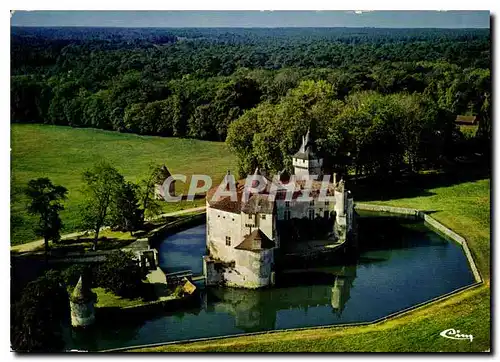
(163, 175)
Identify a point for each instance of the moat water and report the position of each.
(401, 263)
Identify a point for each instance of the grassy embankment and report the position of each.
(464, 207)
(63, 153)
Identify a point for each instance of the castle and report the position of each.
(243, 233)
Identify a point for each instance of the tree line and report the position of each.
(202, 83)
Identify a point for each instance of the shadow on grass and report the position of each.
(414, 185)
(83, 244)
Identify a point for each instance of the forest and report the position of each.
(377, 101)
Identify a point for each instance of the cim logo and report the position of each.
(455, 334)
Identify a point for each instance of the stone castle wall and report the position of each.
(300, 209)
(250, 270)
(221, 224)
(82, 314)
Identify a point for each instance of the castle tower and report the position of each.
(82, 305)
(305, 161)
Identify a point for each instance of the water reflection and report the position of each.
(255, 310)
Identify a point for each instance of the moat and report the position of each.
(400, 263)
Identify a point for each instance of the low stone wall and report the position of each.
(433, 223)
(388, 209)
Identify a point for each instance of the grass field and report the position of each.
(63, 153)
(465, 207)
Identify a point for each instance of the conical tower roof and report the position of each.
(306, 151)
(81, 293)
(307, 139)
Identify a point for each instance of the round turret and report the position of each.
(82, 302)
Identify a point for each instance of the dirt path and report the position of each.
(33, 245)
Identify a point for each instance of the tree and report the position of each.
(36, 318)
(150, 205)
(103, 182)
(126, 213)
(121, 274)
(45, 201)
(201, 123)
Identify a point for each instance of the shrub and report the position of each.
(36, 318)
(71, 274)
(121, 274)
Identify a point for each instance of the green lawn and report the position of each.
(107, 299)
(465, 207)
(63, 153)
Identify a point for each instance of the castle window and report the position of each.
(311, 203)
(311, 214)
(287, 214)
(263, 216)
(228, 241)
(287, 203)
(249, 216)
(327, 203)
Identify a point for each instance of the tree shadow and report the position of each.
(83, 244)
(416, 184)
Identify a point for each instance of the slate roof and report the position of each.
(162, 175)
(306, 151)
(256, 241)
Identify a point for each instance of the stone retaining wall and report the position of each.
(389, 209)
(433, 223)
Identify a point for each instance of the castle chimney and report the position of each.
(334, 178)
